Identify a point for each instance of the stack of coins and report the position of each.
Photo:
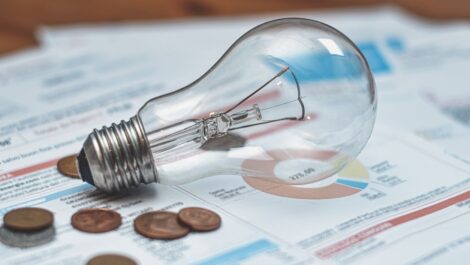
(168, 225)
(27, 227)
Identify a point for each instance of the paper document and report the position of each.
(404, 200)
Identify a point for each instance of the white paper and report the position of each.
(403, 201)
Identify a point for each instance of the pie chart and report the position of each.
(351, 180)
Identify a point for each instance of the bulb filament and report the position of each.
(179, 138)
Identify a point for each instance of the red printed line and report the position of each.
(27, 170)
(376, 229)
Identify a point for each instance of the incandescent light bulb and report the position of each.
(291, 101)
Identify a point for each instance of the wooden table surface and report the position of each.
(20, 18)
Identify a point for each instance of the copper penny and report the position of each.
(68, 166)
(111, 259)
(96, 220)
(28, 219)
(160, 225)
(199, 219)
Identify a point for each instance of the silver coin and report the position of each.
(26, 239)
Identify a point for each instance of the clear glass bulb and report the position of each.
(292, 100)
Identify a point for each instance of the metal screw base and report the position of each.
(118, 157)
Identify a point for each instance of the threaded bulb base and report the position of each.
(117, 157)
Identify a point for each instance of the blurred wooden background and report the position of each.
(20, 18)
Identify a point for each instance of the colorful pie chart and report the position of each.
(351, 180)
